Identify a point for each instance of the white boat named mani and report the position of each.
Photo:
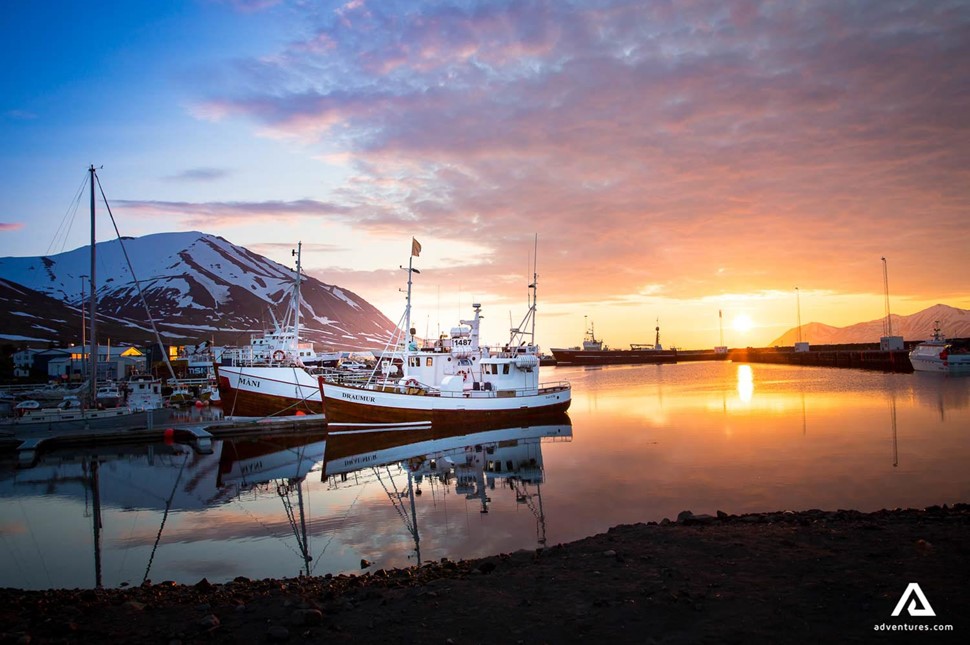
(941, 355)
(454, 380)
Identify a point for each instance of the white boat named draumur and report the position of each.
(455, 380)
(941, 355)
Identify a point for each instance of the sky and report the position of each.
(723, 169)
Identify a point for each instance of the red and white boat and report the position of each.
(272, 375)
(454, 380)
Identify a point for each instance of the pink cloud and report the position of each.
(656, 142)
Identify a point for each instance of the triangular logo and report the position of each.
(913, 590)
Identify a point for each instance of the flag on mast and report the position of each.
(415, 247)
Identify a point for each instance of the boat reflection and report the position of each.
(471, 463)
(119, 488)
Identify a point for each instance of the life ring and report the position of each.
(464, 375)
(279, 355)
(412, 382)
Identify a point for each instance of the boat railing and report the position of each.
(498, 393)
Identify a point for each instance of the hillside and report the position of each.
(954, 323)
(197, 287)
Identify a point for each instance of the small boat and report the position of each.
(455, 380)
(108, 396)
(942, 355)
(144, 392)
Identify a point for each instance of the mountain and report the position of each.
(197, 287)
(954, 323)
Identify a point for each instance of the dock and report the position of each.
(28, 442)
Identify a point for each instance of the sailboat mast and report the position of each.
(93, 339)
(296, 298)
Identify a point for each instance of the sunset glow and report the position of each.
(674, 160)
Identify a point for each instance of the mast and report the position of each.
(296, 299)
(93, 339)
(798, 307)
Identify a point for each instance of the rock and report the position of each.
(365, 563)
(307, 617)
(209, 622)
(277, 634)
(684, 515)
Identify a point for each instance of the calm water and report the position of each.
(641, 443)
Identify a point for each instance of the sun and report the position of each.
(742, 323)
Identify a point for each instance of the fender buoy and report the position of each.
(278, 355)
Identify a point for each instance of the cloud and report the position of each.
(203, 214)
(11, 226)
(649, 144)
(200, 175)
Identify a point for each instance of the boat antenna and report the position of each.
(885, 280)
(93, 350)
(798, 307)
(530, 316)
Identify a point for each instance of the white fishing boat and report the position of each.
(455, 380)
(270, 376)
(938, 354)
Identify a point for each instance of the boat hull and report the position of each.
(613, 356)
(267, 391)
(349, 404)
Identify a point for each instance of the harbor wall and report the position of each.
(827, 356)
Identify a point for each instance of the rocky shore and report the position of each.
(769, 577)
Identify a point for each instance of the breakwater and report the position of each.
(855, 357)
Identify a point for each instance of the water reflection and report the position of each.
(641, 443)
(745, 383)
(155, 501)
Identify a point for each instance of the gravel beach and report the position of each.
(759, 578)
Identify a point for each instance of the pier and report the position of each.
(850, 356)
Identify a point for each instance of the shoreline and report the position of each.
(762, 577)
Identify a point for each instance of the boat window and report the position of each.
(505, 368)
(429, 362)
(414, 361)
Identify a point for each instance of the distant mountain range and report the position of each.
(198, 287)
(954, 323)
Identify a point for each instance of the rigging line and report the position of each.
(270, 532)
(141, 295)
(68, 220)
(319, 558)
(168, 506)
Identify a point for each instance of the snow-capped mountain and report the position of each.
(954, 323)
(197, 287)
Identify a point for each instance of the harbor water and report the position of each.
(641, 443)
